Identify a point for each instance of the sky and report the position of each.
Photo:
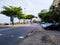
(29, 7)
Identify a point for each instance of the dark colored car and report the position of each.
(45, 25)
(51, 26)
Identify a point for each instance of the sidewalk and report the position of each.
(42, 37)
(16, 25)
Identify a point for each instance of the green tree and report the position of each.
(58, 13)
(55, 13)
(44, 16)
(21, 16)
(30, 16)
(11, 12)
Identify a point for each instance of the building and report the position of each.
(55, 2)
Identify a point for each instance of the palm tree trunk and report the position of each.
(19, 20)
(31, 21)
(24, 21)
(12, 20)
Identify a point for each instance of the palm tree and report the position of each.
(30, 16)
(21, 16)
(11, 12)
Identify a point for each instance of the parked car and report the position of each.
(45, 25)
(54, 27)
(51, 26)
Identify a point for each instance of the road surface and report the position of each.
(13, 36)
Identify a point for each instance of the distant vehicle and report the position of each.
(51, 26)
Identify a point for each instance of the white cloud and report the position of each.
(32, 6)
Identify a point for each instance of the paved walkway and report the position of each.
(16, 25)
(42, 37)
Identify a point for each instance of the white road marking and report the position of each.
(21, 37)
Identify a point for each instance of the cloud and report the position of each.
(29, 6)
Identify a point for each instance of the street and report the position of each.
(13, 36)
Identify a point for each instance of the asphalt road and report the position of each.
(13, 36)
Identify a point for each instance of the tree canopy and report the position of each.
(44, 16)
(21, 16)
(30, 16)
(11, 12)
(53, 15)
